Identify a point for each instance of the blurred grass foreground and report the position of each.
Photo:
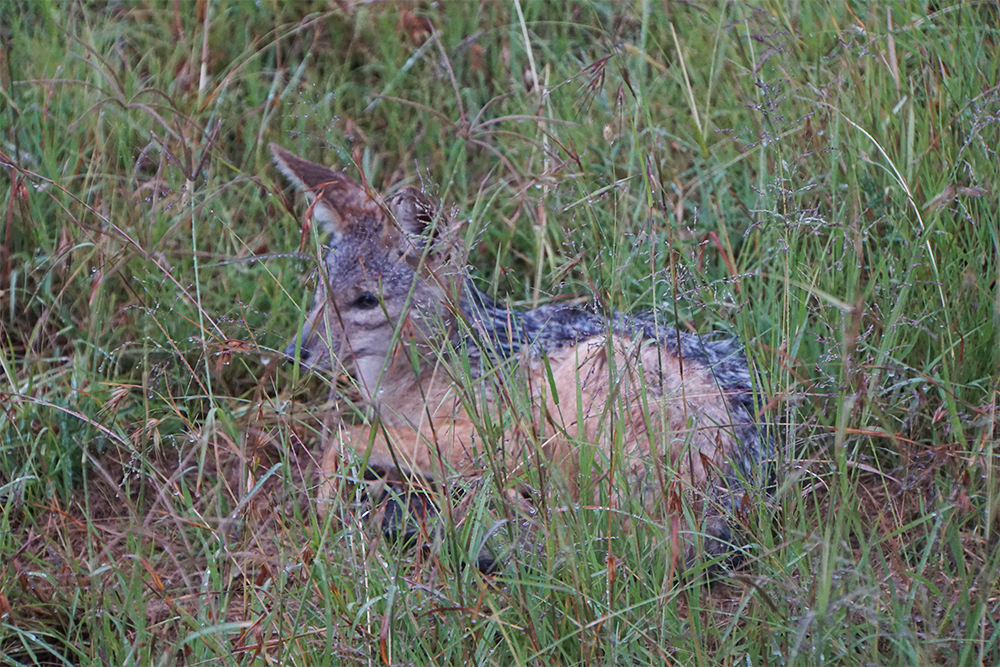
(819, 179)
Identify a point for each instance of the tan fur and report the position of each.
(435, 437)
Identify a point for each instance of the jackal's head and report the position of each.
(385, 277)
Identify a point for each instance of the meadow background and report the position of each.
(817, 178)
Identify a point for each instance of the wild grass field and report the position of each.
(819, 179)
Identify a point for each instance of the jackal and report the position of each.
(396, 308)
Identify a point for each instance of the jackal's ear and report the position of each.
(338, 202)
(412, 210)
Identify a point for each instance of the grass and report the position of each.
(819, 179)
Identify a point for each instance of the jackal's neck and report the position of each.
(502, 332)
(488, 333)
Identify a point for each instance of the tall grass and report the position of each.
(818, 179)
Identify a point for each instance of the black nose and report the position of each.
(304, 354)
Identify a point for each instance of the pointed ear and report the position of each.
(337, 200)
(413, 211)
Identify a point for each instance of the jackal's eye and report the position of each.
(366, 301)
